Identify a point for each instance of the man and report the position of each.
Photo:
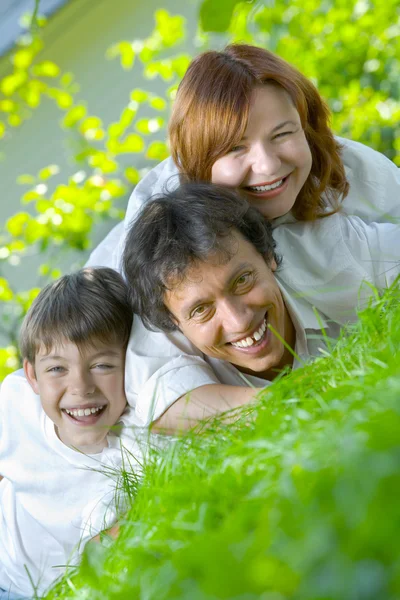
(201, 262)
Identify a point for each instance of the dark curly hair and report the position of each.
(179, 228)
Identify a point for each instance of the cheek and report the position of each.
(302, 155)
(201, 336)
(227, 171)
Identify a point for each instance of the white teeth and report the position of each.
(266, 188)
(83, 412)
(256, 337)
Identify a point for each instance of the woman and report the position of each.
(245, 118)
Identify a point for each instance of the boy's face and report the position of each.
(81, 391)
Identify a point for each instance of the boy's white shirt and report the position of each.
(53, 499)
(324, 264)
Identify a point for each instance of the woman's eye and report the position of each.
(236, 148)
(282, 134)
(103, 366)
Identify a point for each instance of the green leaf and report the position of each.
(16, 224)
(46, 68)
(48, 172)
(139, 96)
(26, 179)
(171, 29)
(6, 293)
(158, 103)
(90, 123)
(147, 126)
(132, 143)
(10, 84)
(2, 129)
(22, 59)
(132, 175)
(74, 115)
(157, 151)
(7, 106)
(216, 16)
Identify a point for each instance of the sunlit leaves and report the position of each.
(126, 53)
(132, 175)
(131, 143)
(16, 224)
(48, 172)
(157, 151)
(216, 16)
(147, 126)
(74, 115)
(46, 68)
(9, 361)
(170, 29)
(6, 294)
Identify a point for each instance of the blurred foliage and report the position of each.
(349, 49)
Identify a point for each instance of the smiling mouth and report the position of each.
(89, 414)
(254, 340)
(260, 189)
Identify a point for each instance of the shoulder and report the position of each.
(363, 162)
(17, 396)
(374, 180)
(165, 175)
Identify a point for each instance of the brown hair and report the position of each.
(211, 111)
(86, 307)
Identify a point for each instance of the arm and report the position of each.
(203, 403)
(112, 533)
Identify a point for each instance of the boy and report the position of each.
(58, 444)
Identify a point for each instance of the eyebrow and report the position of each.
(279, 126)
(107, 353)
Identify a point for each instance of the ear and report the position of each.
(30, 374)
(273, 265)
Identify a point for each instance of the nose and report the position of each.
(236, 316)
(265, 159)
(82, 384)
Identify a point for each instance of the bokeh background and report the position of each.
(85, 93)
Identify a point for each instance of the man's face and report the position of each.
(81, 391)
(224, 308)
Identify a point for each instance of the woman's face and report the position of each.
(273, 160)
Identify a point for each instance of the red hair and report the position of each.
(211, 111)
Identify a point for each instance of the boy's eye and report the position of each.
(57, 369)
(103, 366)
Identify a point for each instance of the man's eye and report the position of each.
(244, 280)
(200, 312)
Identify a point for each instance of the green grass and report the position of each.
(299, 499)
